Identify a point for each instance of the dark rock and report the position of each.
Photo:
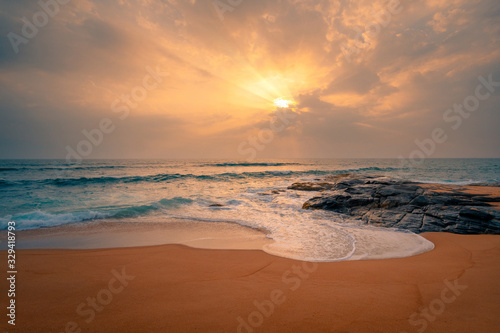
(410, 209)
(359, 201)
(271, 192)
(359, 190)
(390, 190)
(421, 200)
(493, 227)
(412, 222)
(397, 200)
(476, 214)
(336, 202)
(459, 201)
(431, 223)
(386, 202)
(383, 218)
(346, 183)
(487, 199)
(446, 214)
(310, 186)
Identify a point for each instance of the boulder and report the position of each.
(392, 203)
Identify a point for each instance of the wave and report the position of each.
(11, 169)
(164, 177)
(40, 219)
(5, 183)
(248, 164)
(444, 182)
(64, 168)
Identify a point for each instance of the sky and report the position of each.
(199, 79)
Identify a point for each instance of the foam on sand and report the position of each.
(349, 243)
(322, 243)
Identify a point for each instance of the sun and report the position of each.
(282, 103)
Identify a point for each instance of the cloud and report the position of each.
(101, 34)
(225, 74)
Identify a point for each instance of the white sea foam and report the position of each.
(155, 190)
(323, 243)
(39, 219)
(378, 243)
(310, 235)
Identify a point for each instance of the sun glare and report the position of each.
(282, 103)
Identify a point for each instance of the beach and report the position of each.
(175, 273)
(250, 166)
(174, 288)
(179, 288)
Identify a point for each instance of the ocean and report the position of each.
(46, 193)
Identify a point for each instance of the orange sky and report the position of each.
(368, 78)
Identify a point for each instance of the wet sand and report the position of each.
(174, 288)
(116, 234)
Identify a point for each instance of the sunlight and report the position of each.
(282, 103)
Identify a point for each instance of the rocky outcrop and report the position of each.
(311, 186)
(387, 202)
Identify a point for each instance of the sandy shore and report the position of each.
(174, 288)
(112, 234)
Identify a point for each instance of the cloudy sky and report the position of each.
(367, 78)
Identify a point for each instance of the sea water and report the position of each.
(47, 193)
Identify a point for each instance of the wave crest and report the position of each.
(163, 177)
(40, 219)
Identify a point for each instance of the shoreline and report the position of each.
(106, 234)
(181, 289)
(222, 280)
(152, 231)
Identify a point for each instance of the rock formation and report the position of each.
(388, 202)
